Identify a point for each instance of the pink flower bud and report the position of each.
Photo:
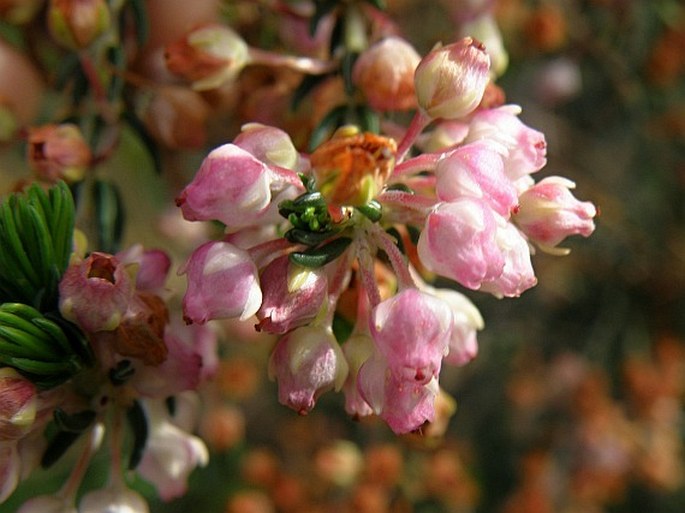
(527, 148)
(385, 74)
(549, 213)
(412, 331)
(517, 275)
(307, 362)
(222, 283)
(153, 266)
(18, 405)
(450, 80)
(77, 23)
(58, 152)
(232, 186)
(208, 56)
(293, 295)
(458, 242)
(477, 170)
(95, 292)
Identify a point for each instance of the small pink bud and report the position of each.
(232, 186)
(18, 405)
(458, 242)
(271, 145)
(95, 292)
(549, 213)
(222, 283)
(58, 152)
(450, 80)
(208, 56)
(293, 295)
(385, 74)
(307, 362)
(76, 24)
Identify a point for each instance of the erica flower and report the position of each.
(222, 282)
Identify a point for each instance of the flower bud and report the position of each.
(113, 498)
(19, 12)
(293, 295)
(549, 213)
(222, 283)
(351, 168)
(18, 404)
(208, 56)
(47, 504)
(450, 80)
(271, 145)
(76, 24)
(307, 362)
(385, 74)
(485, 29)
(58, 152)
(95, 292)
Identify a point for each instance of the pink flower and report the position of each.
(412, 331)
(357, 350)
(450, 80)
(18, 405)
(477, 170)
(458, 242)
(292, 294)
(467, 320)
(527, 148)
(222, 283)
(307, 362)
(153, 266)
(549, 213)
(95, 292)
(232, 186)
(171, 454)
(517, 275)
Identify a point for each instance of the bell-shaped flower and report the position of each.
(458, 242)
(95, 292)
(412, 330)
(358, 349)
(292, 295)
(385, 74)
(222, 283)
(477, 170)
(527, 148)
(463, 344)
(115, 498)
(170, 454)
(549, 213)
(18, 405)
(152, 266)
(58, 152)
(208, 56)
(231, 186)
(307, 362)
(404, 405)
(517, 275)
(450, 80)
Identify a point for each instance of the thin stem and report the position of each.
(71, 486)
(397, 259)
(116, 436)
(264, 253)
(418, 123)
(367, 271)
(306, 65)
(423, 162)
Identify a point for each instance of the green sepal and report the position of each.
(322, 255)
(137, 419)
(309, 238)
(373, 210)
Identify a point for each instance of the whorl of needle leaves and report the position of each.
(36, 232)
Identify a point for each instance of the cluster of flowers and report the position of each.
(360, 221)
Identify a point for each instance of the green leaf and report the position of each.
(372, 210)
(140, 17)
(323, 131)
(322, 255)
(307, 237)
(57, 446)
(73, 422)
(138, 421)
(347, 65)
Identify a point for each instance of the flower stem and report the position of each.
(418, 123)
(306, 65)
(71, 486)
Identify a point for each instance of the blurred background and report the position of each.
(575, 402)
